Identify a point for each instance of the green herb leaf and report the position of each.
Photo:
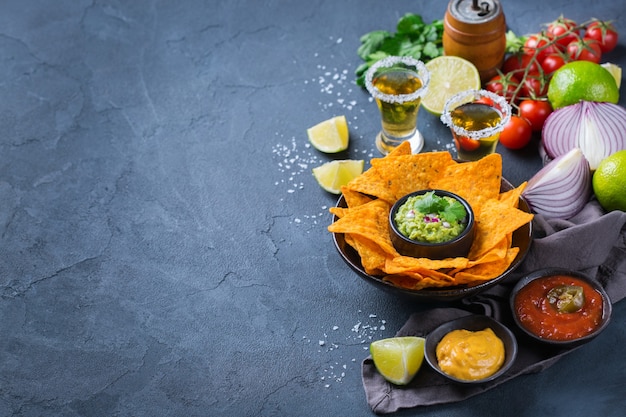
(454, 212)
(412, 38)
(514, 43)
(450, 211)
(370, 43)
(431, 50)
(410, 23)
(429, 203)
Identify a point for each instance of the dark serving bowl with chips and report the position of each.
(521, 238)
(458, 245)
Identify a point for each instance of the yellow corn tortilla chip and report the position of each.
(495, 221)
(486, 271)
(373, 258)
(402, 264)
(408, 173)
(476, 181)
(369, 221)
(354, 198)
(512, 196)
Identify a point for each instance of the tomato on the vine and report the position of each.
(551, 63)
(562, 31)
(512, 63)
(604, 33)
(535, 112)
(503, 85)
(585, 50)
(538, 45)
(534, 86)
(516, 133)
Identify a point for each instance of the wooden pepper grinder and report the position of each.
(476, 30)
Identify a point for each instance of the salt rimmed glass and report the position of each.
(398, 85)
(475, 143)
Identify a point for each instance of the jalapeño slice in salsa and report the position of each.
(567, 298)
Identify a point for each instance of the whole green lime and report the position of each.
(609, 182)
(582, 80)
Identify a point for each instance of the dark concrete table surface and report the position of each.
(163, 244)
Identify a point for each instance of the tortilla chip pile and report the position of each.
(369, 198)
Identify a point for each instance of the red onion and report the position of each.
(598, 129)
(561, 188)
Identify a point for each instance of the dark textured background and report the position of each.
(163, 244)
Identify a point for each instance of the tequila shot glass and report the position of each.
(398, 85)
(476, 119)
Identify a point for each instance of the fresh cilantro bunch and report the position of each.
(449, 210)
(413, 38)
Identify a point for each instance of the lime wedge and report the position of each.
(615, 70)
(398, 358)
(449, 75)
(330, 136)
(332, 175)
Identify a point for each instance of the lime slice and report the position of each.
(330, 136)
(448, 75)
(616, 72)
(398, 358)
(332, 175)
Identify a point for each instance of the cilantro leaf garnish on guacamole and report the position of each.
(448, 209)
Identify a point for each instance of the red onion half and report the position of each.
(598, 129)
(562, 187)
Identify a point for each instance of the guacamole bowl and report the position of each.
(560, 307)
(434, 224)
(469, 348)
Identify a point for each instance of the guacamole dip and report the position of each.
(431, 218)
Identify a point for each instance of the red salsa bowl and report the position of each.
(560, 306)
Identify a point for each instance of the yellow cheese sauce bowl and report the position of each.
(472, 349)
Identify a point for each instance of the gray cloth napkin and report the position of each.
(593, 242)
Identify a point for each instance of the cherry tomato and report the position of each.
(585, 50)
(512, 64)
(535, 112)
(531, 64)
(516, 133)
(534, 86)
(467, 143)
(503, 85)
(604, 33)
(552, 63)
(538, 45)
(562, 31)
(485, 100)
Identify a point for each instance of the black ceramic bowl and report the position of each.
(457, 247)
(551, 272)
(472, 323)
